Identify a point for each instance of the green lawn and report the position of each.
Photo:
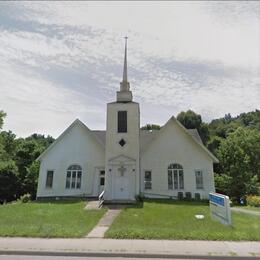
(167, 219)
(48, 219)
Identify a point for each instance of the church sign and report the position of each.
(220, 208)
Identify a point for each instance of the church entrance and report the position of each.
(123, 184)
(121, 179)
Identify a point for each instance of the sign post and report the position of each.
(220, 208)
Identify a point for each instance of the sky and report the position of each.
(64, 60)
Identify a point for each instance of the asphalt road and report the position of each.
(49, 257)
(25, 257)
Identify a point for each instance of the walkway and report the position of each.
(128, 247)
(247, 211)
(104, 223)
(92, 204)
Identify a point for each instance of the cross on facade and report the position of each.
(122, 169)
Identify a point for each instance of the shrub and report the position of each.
(253, 200)
(8, 181)
(180, 195)
(188, 195)
(25, 198)
(197, 196)
(140, 197)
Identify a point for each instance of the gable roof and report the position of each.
(192, 133)
(215, 160)
(146, 137)
(195, 134)
(101, 135)
(76, 122)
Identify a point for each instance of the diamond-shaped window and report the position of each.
(122, 142)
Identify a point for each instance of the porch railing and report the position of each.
(101, 198)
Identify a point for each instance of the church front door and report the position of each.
(123, 183)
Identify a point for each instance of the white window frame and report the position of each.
(202, 180)
(49, 170)
(77, 172)
(145, 181)
(171, 171)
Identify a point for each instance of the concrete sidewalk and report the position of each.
(104, 223)
(246, 211)
(119, 247)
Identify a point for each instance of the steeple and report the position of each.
(124, 95)
(124, 83)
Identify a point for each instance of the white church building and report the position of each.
(125, 161)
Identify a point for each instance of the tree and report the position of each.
(9, 143)
(31, 179)
(222, 183)
(151, 127)
(2, 116)
(214, 144)
(8, 180)
(27, 152)
(239, 156)
(192, 120)
(222, 127)
(18, 169)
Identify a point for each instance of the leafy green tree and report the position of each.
(214, 143)
(192, 120)
(41, 139)
(250, 119)
(31, 178)
(222, 183)
(9, 143)
(239, 156)
(151, 127)
(26, 153)
(222, 127)
(18, 169)
(2, 116)
(8, 180)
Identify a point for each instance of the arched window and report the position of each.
(175, 176)
(73, 178)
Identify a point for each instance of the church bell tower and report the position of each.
(122, 144)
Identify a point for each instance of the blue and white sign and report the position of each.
(220, 208)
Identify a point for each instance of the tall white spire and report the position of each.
(124, 95)
(125, 62)
(124, 85)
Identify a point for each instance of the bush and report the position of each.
(8, 181)
(188, 195)
(140, 197)
(25, 198)
(197, 196)
(180, 195)
(253, 200)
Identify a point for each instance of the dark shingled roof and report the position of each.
(146, 136)
(101, 134)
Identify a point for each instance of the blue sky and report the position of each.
(64, 60)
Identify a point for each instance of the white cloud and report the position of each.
(186, 30)
(36, 105)
(61, 60)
